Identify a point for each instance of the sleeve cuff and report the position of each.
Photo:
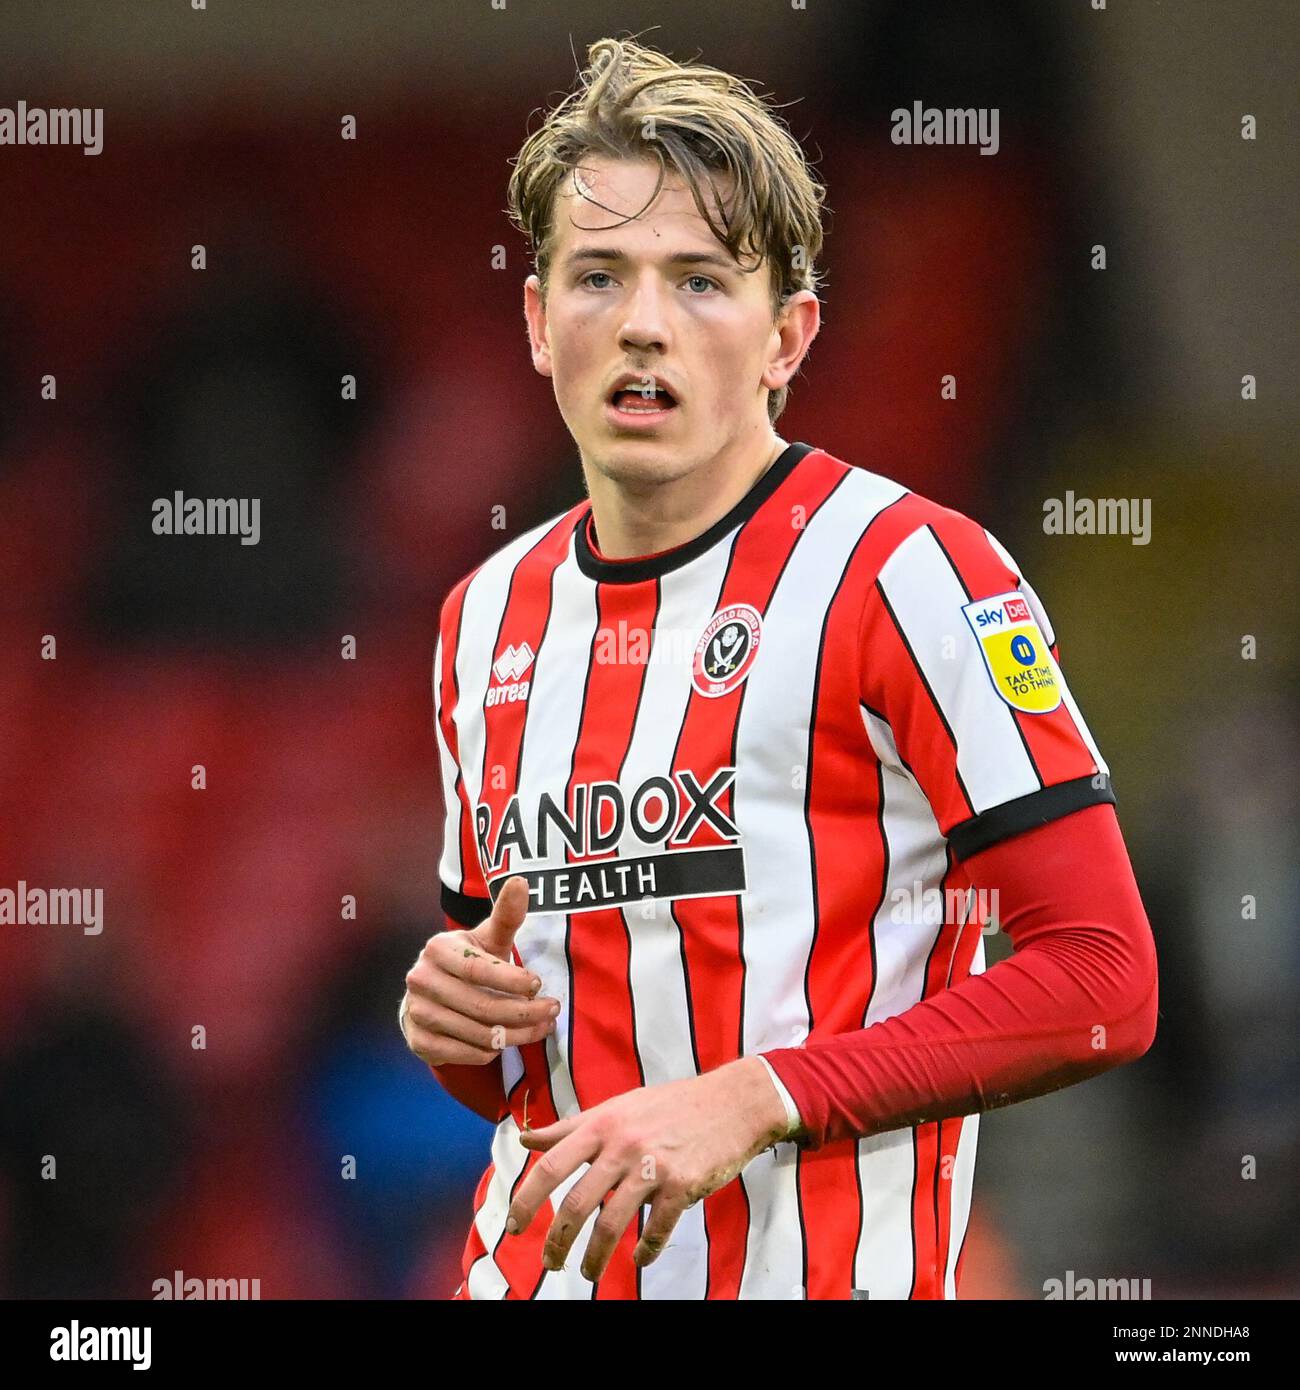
(794, 1121)
(1028, 812)
(463, 908)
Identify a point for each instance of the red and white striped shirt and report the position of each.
(722, 768)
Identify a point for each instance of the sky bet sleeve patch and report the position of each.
(1016, 654)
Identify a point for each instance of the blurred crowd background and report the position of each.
(223, 908)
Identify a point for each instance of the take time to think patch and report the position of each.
(1016, 654)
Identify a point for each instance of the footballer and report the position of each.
(715, 743)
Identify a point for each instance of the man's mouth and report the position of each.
(638, 398)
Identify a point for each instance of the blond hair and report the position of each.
(632, 102)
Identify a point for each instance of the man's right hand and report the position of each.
(466, 999)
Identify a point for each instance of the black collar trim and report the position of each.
(635, 571)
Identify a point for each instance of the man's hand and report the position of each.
(671, 1145)
(466, 1000)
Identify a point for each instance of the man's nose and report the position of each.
(645, 320)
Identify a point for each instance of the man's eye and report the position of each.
(708, 283)
(586, 279)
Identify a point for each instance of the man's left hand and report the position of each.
(670, 1145)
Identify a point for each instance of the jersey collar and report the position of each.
(643, 567)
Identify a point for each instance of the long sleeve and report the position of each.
(1077, 996)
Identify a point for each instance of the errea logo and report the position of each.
(506, 686)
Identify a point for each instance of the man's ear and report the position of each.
(535, 315)
(796, 325)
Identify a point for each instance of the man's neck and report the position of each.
(670, 514)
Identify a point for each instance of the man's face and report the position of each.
(657, 298)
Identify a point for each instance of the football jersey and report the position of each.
(737, 775)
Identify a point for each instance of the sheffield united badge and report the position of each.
(725, 653)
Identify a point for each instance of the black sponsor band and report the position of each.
(605, 883)
(1028, 812)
